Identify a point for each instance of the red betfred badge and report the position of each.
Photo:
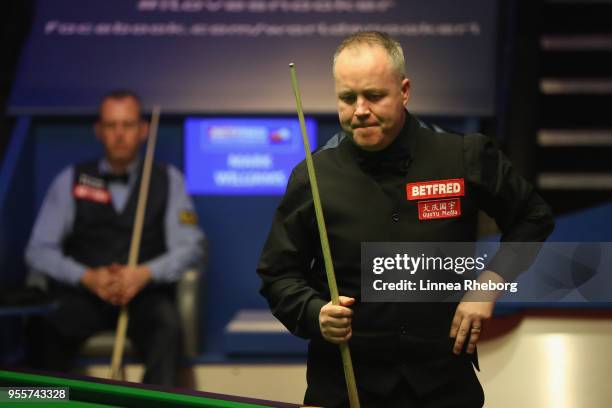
(448, 191)
(85, 192)
(435, 209)
(426, 190)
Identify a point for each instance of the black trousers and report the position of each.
(403, 396)
(465, 392)
(422, 380)
(154, 329)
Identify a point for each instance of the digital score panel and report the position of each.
(243, 156)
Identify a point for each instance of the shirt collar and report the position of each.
(395, 157)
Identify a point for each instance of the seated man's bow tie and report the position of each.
(116, 178)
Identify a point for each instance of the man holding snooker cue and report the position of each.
(404, 354)
(81, 241)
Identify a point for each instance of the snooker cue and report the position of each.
(347, 364)
(122, 322)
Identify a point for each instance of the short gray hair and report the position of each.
(393, 48)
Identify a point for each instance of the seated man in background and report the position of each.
(81, 241)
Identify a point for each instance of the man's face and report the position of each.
(371, 96)
(120, 129)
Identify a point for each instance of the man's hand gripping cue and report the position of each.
(335, 321)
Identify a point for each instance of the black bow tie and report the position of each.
(116, 178)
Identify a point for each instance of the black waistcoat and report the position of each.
(100, 235)
(390, 333)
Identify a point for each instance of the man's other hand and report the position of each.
(473, 313)
(468, 323)
(335, 321)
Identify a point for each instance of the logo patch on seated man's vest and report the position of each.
(87, 192)
(435, 209)
(426, 190)
(188, 217)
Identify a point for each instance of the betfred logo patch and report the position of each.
(85, 192)
(427, 190)
(436, 209)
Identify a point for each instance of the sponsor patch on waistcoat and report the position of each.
(426, 190)
(436, 209)
(87, 192)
